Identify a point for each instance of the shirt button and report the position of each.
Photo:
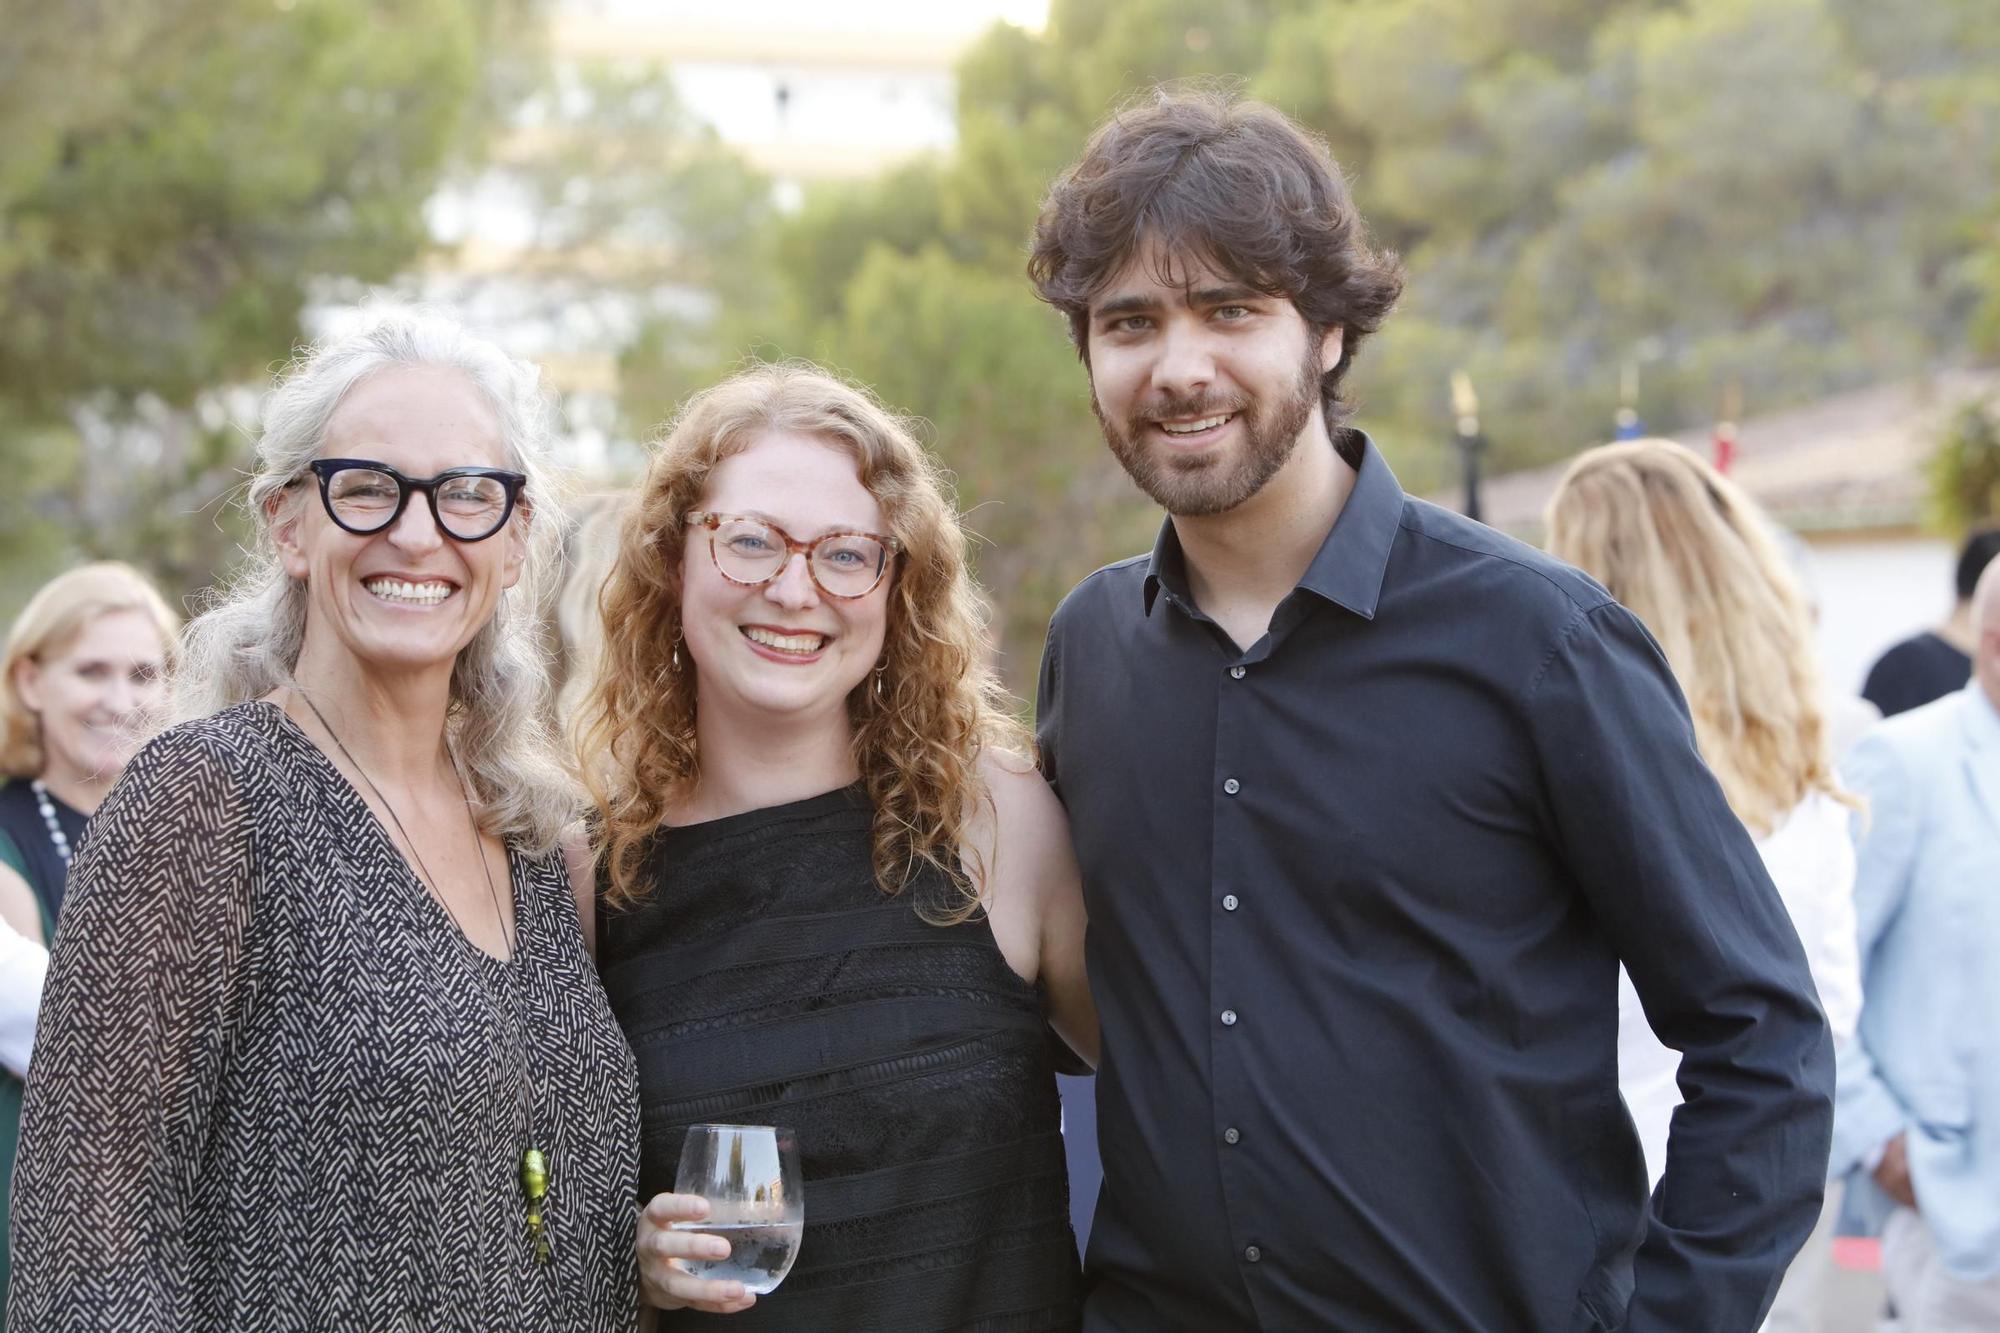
(1232, 786)
(1252, 1253)
(1231, 1135)
(1229, 902)
(1236, 672)
(1229, 1018)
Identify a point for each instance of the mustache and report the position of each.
(1195, 405)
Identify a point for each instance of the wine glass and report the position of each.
(750, 1176)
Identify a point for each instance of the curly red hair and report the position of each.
(916, 744)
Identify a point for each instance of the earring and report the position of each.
(878, 678)
(674, 660)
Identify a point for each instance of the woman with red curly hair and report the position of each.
(834, 893)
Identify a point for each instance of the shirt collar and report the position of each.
(1350, 565)
(1167, 569)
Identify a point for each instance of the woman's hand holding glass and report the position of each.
(747, 1176)
(663, 1281)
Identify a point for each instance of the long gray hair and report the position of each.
(247, 642)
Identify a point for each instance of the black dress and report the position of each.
(767, 981)
(28, 848)
(22, 822)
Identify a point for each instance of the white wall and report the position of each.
(893, 110)
(1872, 593)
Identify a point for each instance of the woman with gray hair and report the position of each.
(322, 1045)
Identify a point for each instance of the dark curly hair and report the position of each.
(1203, 175)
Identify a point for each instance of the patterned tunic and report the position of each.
(275, 1088)
(767, 981)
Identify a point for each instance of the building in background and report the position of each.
(804, 91)
(807, 93)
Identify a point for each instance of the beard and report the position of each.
(1212, 482)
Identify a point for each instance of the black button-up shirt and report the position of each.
(1358, 897)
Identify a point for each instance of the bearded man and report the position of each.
(1371, 802)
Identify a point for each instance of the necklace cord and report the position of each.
(507, 939)
(534, 1169)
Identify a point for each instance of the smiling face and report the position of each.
(407, 598)
(93, 695)
(784, 648)
(1205, 386)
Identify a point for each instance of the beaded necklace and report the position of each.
(48, 809)
(534, 1164)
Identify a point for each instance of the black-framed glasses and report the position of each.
(470, 504)
(752, 552)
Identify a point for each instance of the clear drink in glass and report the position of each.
(750, 1176)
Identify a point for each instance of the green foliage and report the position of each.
(647, 224)
(1965, 470)
(168, 241)
(1767, 192)
(972, 351)
(175, 178)
(629, 192)
(1792, 196)
(821, 247)
(34, 542)
(675, 356)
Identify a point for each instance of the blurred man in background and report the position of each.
(1932, 664)
(1919, 1105)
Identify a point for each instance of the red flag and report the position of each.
(1725, 446)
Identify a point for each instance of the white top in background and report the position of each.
(1810, 858)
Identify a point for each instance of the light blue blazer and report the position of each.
(1927, 899)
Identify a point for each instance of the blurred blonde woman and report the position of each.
(836, 894)
(84, 673)
(1694, 557)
